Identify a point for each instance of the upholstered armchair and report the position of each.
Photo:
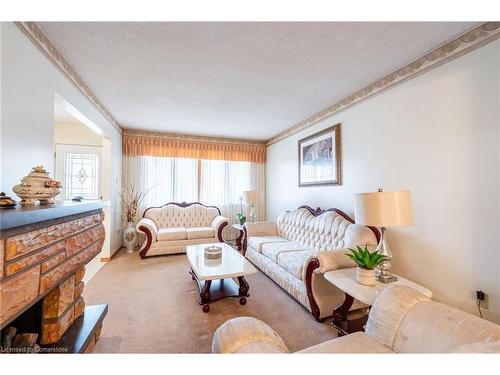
(402, 320)
(170, 228)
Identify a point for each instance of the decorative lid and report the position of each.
(6, 201)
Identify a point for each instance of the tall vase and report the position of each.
(129, 236)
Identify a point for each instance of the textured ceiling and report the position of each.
(242, 80)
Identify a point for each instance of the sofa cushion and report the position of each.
(358, 342)
(200, 232)
(293, 261)
(257, 242)
(273, 250)
(170, 234)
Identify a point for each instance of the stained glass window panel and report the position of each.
(81, 175)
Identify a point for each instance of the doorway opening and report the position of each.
(82, 156)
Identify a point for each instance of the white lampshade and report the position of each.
(384, 209)
(252, 196)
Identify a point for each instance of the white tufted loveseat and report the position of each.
(170, 228)
(300, 246)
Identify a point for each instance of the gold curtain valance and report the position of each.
(195, 148)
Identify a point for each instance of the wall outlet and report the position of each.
(483, 298)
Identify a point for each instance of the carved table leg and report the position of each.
(193, 277)
(243, 290)
(205, 296)
(340, 315)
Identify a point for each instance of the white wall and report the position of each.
(439, 136)
(28, 86)
(75, 134)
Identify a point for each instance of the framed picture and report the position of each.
(320, 158)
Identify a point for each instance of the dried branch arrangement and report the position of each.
(130, 201)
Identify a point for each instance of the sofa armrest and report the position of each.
(262, 228)
(334, 260)
(247, 335)
(150, 230)
(319, 296)
(219, 223)
(147, 224)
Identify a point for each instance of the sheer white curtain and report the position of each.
(165, 179)
(218, 182)
(223, 182)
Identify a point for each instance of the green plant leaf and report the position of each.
(364, 259)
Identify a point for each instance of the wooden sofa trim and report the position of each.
(183, 205)
(149, 239)
(314, 262)
(311, 266)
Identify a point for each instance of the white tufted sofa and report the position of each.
(402, 320)
(170, 228)
(300, 246)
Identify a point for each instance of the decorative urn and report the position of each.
(37, 186)
(130, 237)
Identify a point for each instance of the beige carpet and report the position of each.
(153, 308)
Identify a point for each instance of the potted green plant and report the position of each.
(366, 262)
(241, 218)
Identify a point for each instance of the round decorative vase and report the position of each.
(365, 277)
(37, 186)
(129, 236)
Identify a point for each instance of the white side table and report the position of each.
(344, 279)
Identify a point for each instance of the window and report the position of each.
(223, 182)
(81, 175)
(212, 182)
(169, 179)
(216, 182)
(79, 170)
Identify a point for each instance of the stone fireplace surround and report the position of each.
(42, 264)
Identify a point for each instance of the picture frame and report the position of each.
(320, 158)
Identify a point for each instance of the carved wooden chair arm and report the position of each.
(219, 223)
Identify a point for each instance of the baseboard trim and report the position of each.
(108, 259)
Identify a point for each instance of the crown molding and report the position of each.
(463, 44)
(40, 40)
(143, 133)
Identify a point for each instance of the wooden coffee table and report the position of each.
(219, 278)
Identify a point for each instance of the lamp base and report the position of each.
(387, 279)
(383, 273)
(253, 215)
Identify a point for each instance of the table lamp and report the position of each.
(252, 198)
(384, 210)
